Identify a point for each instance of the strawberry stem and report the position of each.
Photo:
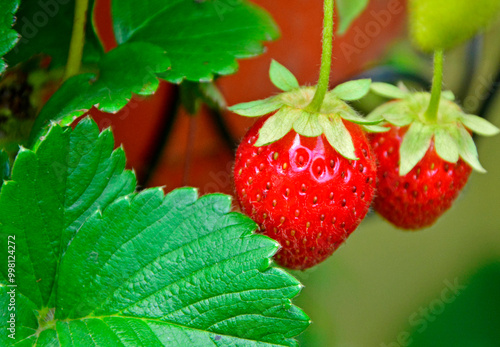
(431, 114)
(77, 39)
(326, 59)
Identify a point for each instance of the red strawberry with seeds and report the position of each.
(426, 157)
(303, 193)
(305, 174)
(419, 198)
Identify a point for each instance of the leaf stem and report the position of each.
(326, 59)
(77, 39)
(431, 114)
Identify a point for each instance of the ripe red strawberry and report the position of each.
(303, 193)
(417, 199)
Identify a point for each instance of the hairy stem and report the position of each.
(326, 59)
(437, 83)
(77, 39)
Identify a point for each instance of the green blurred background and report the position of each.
(377, 287)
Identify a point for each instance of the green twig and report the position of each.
(326, 59)
(437, 83)
(77, 39)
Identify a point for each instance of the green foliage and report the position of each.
(97, 264)
(111, 89)
(4, 167)
(46, 27)
(202, 38)
(8, 36)
(352, 90)
(282, 78)
(348, 11)
(444, 24)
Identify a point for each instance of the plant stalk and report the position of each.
(431, 114)
(77, 39)
(326, 59)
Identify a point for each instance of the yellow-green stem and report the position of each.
(77, 39)
(431, 114)
(326, 59)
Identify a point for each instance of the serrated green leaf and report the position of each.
(257, 108)
(349, 10)
(277, 126)
(202, 38)
(46, 27)
(4, 166)
(448, 95)
(446, 146)
(127, 69)
(388, 90)
(353, 117)
(437, 25)
(479, 125)
(282, 78)
(337, 135)
(25, 321)
(53, 190)
(141, 270)
(467, 149)
(352, 90)
(398, 119)
(8, 36)
(415, 144)
(307, 125)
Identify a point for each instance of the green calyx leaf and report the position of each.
(282, 78)
(337, 134)
(449, 132)
(352, 90)
(349, 10)
(444, 24)
(277, 126)
(257, 108)
(104, 265)
(388, 90)
(8, 36)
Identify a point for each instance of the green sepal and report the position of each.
(352, 90)
(375, 128)
(337, 134)
(415, 144)
(388, 90)
(446, 146)
(353, 117)
(307, 125)
(282, 78)
(257, 108)
(467, 149)
(479, 125)
(277, 126)
(398, 119)
(448, 95)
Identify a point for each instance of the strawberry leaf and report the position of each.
(388, 90)
(398, 119)
(375, 128)
(277, 126)
(479, 125)
(4, 167)
(448, 95)
(8, 36)
(446, 146)
(142, 269)
(337, 135)
(127, 69)
(351, 116)
(257, 108)
(308, 125)
(352, 90)
(202, 38)
(46, 27)
(282, 78)
(349, 10)
(445, 24)
(415, 144)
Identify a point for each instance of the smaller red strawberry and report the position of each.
(306, 176)
(423, 162)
